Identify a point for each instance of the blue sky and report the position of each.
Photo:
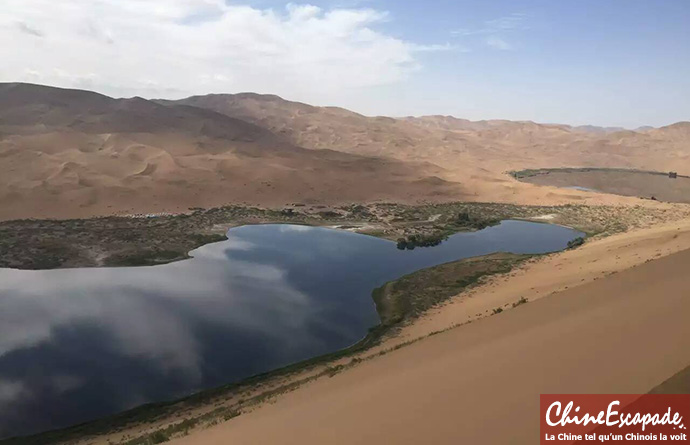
(621, 63)
(618, 62)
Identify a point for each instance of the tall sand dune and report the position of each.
(70, 153)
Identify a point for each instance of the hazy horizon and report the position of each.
(368, 115)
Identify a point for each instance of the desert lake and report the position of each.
(78, 344)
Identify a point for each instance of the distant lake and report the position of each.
(78, 344)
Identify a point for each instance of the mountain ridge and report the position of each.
(72, 153)
(75, 153)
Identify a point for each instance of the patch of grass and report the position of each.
(520, 302)
(575, 243)
(545, 171)
(159, 437)
(182, 428)
(144, 258)
(201, 239)
(421, 240)
(125, 241)
(409, 296)
(327, 214)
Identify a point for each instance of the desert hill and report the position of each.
(451, 141)
(474, 153)
(71, 153)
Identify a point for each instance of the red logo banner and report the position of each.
(623, 418)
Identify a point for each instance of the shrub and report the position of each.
(413, 241)
(158, 437)
(522, 300)
(577, 242)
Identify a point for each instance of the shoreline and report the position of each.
(492, 368)
(121, 242)
(632, 248)
(305, 371)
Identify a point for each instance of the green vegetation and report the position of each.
(145, 258)
(545, 171)
(520, 302)
(421, 240)
(125, 241)
(467, 219)
(182, 428)
(158, 437)
(575, 243)
(129, 241)
(408, 297)
(475, 220)
(207, 238)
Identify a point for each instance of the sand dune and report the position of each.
(461, 143)
(136, 155)
(480, 383)
(476, 154)
(69, 153)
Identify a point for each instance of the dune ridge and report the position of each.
(70, 153)
(145, 156)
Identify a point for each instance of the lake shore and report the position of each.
(580, 340)
(160, 239)
(648, 185)
(597, 261)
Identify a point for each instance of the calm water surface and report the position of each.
(78, 344)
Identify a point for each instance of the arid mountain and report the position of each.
(476, 154)
(70, 153)
(454, 142)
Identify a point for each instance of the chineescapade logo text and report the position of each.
(620, 418)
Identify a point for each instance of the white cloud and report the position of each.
(512, 22)
(129, 310)
(509, 22)
(498, 43)
(174, 48)
(494, 31)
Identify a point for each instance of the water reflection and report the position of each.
(83, 343)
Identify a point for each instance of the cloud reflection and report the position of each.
(96, 341)
(148, 313)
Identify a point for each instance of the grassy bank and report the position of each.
(409, 296)
(527, 173)
(127, 241)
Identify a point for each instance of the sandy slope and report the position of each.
(476, 154)
(70, 153)
(597, 260)
(479, 383)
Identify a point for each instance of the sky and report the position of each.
(602, 62)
